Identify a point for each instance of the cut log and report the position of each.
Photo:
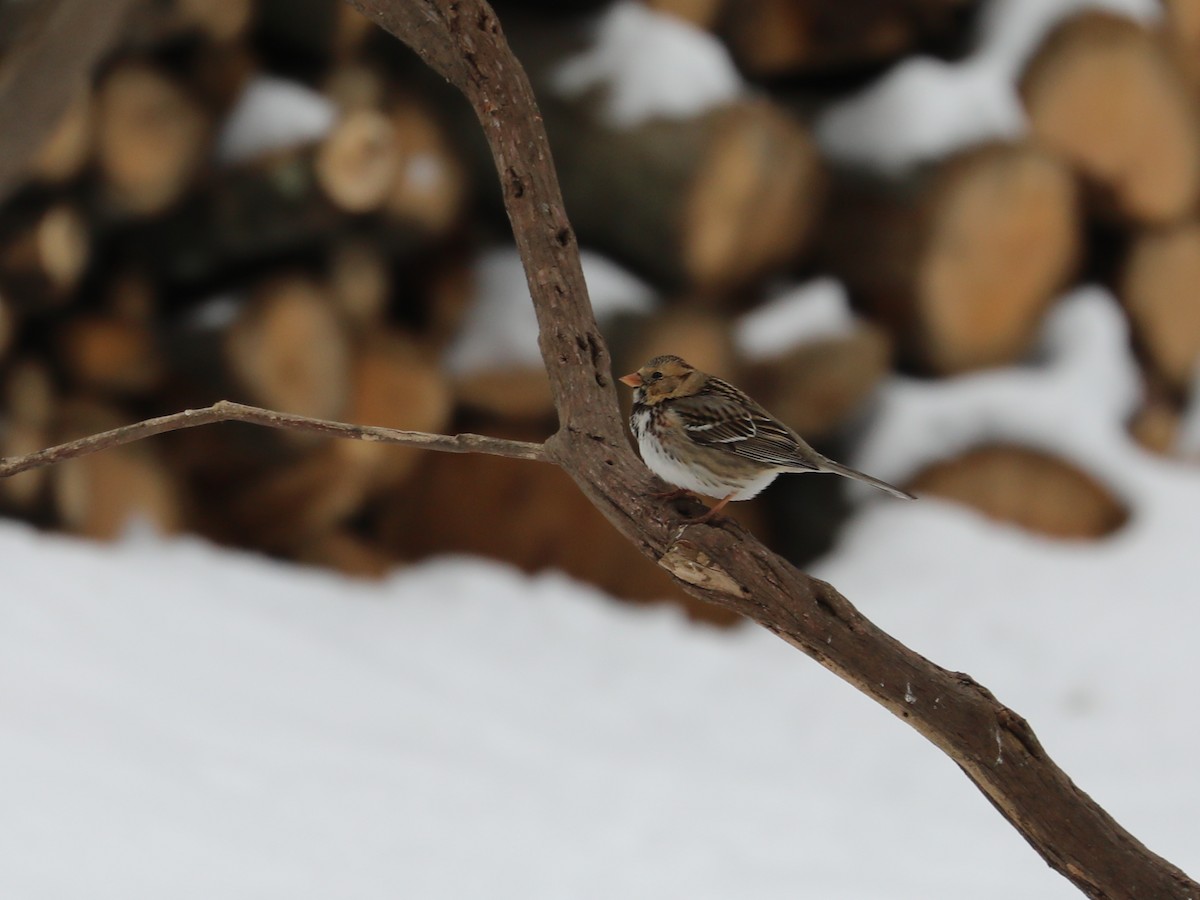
(101, 494)
(396, 385)
(1103, 92)
(29, 393)
(158, 22)
(1156, 426)
(701, 13)
(959, 262)
(356, 85)
(1181, 29)
(44, 251)
(770, 38)
(23, 494)
(507, 394)
(819, 385)
(358, 164)
(1159, 290)
(707, 203)
(25, 426)
(360, 280)
(110, 355)
(69, 147)
(1026, 488)
(347, 552)
(283, 203)
(219, 20)
(288, 350)
(430, 189)
(152, 138)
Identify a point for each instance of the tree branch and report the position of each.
(227, 411)
(720, 563)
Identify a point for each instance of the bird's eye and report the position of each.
(655, 376)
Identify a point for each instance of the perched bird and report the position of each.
(705, 436)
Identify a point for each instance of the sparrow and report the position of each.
(705, 436)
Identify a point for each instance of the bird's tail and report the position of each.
(828, 465)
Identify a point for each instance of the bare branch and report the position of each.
(227, 411)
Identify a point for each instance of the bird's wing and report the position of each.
(723, 418)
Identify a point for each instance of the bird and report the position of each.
(706, 436)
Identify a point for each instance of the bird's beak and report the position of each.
(633, 379)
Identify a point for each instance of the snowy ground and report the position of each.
(178, 721)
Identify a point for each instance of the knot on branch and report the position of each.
(690, 564)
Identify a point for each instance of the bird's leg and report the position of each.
(673, 494)
(700, 520)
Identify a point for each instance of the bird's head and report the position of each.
(664, 378)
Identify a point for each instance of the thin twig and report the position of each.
(227, 411)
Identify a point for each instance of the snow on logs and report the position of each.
(1103, 92)
(958, 260)
(707, 202)
(342, 260)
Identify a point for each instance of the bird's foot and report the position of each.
(675, 494)
(711, 514)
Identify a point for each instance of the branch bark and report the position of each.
(719, 563)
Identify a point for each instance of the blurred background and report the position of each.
(274, 202)
(955, 243)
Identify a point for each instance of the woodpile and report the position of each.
(772, 38)
(1028, 488)
(959, 261)
(1105, 94)
(145, 268)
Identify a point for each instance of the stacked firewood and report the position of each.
(168, 249)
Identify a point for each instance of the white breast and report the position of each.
(696, 479)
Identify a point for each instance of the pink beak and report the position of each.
(633, 379)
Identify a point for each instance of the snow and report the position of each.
(924, 108)
(178, 720)
(500, 330)
(797, 314)
(650, 65)
(273, 114)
